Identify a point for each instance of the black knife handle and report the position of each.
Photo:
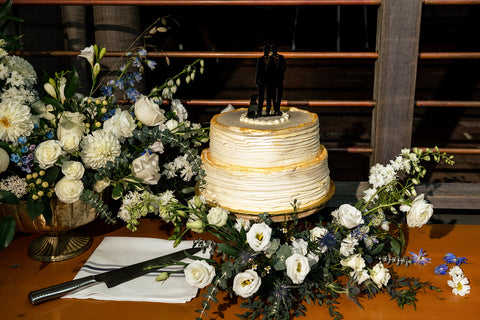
(56, 291)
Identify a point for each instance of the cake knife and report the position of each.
(110, 278)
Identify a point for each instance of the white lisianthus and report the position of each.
(98, 148)
(419, 213)
(380, 275)
(172, 125)
(217, 216)
(318, 233)
(258, 237)
(196, 225)
(297, 267)
(179, 110)
(100, 185)
(73, 169)
(360, 276)
(146, 168)
(148, 112)
(349, 243)
(121, 124)
(15, 121)
(246, 283)
(50, 89)
(348, 216)
(299, 246)
(356, 262)
(199, 274)
(70, 142)
(47, 153)
(69, 190)
(89, 54)
(157, 146)
(4, 160)
(71, 123)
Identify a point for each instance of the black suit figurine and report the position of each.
(280, 67)
(260, 77)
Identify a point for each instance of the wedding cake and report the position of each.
(265, 164)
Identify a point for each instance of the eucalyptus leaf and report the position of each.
(8, 197)
(396, 248)
(7, 231)
(227, 249)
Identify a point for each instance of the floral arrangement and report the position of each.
(277, 266)
(63, 145)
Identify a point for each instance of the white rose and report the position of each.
(199, 274)
(146, 168)
(71, 123)
(69, 190)
(246, 283)
(380, 275)
(258, 237)
(47, 153)
(356, 262)
(73, 169)
(217, 216)
(297, 267)
(148, 112)
(70, 142)
(420, 212)
(121, 124)
(348, 216)
(100, 185)
(4, 160)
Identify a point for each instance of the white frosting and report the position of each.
(256, 167)
(270, 120)
(272, 190)
(261, 145)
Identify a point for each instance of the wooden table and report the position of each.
(20, 275)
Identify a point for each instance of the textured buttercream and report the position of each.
(254, 168)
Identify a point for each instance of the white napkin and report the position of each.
(115, 252)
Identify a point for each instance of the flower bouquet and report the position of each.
(62, 145)
(276, 267)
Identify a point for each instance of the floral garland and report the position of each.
(277, 266)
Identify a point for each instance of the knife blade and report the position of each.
(110, 278)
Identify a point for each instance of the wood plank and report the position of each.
(398, 34)
(462, 196)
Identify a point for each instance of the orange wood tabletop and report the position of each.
(19, 275)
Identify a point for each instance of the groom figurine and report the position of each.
(277, 79)
(260, 77)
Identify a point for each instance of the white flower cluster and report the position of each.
(14, 184)
(458, 282)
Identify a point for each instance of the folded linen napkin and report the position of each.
(116, 252)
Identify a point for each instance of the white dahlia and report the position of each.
(24, 69)
(98, 148)
(15, 121)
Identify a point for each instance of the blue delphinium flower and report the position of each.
(441, 269)
(24, 149)
(107, 91)
(14, 158)
(420, 258)
(451, 258)
(142, 52)
(49, 134)
(22, 140)
(133, 94)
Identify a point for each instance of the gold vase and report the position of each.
(58, 241)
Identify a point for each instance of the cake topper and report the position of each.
(269, 77)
